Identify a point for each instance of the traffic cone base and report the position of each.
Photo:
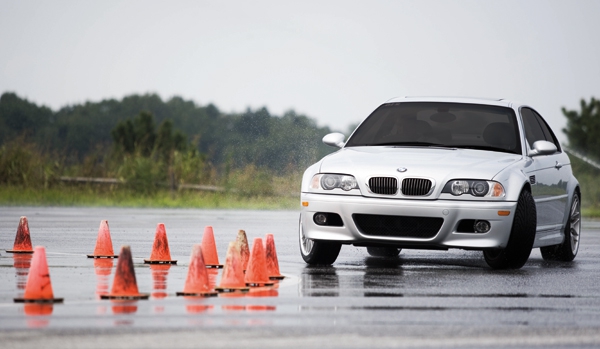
(150, 261)
(277, 277)
(26, 300)
(214, 266)
(259, 284)
(199, 294)
(125, 297)
(17, 251)
(98, 257)
(232, 289)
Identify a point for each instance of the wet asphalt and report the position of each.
(422, 299)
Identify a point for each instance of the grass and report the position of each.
(91, 196)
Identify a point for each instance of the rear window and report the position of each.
(456, 125)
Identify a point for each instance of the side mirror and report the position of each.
(543, 148)
(335, 139)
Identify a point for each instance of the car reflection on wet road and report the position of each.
(420, 299)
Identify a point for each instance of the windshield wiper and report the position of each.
(413, 144)
(484, 147)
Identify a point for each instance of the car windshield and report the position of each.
(435, 124)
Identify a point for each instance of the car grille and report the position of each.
(398, 226)
(416, 186)
(383, 185)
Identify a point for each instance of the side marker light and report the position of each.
(305, 203)
(504, 213)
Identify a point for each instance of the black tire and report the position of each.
(383, 251)
(317, 252)
(522, 236)
(567, 250)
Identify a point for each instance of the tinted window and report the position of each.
(533, 130)
(440, 124)
(536, 128)
(548, 134)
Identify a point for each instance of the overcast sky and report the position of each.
(334, 61)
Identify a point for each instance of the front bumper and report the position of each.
(452, 211)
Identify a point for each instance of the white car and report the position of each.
(441, 173)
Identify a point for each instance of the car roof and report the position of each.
(470, 100)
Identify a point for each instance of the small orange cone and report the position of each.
(39, 288)
(257, 274)
(124, 284)
(232, 279)
(242, 243)
(160, 250)
(272, 263)
(104, 247)
(209, 249)
(196, 283)
(23, 239)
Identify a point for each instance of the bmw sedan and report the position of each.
(442, 173)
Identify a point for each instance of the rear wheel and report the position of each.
(383, 251)
(317, 251)
(522, 236)
(568, 249)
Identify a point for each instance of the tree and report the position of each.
(583, 128)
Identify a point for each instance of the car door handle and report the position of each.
(558, 165)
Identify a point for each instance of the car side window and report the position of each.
(533, 130)
(550, 137)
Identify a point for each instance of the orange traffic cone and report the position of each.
(196, 283)
(124, 284)
(209, 249)
(257, 274)
(233, 276)
(104, 247)
(39, 288)
(160, 250)
(23, 239)
(242, 243)
(272, 263)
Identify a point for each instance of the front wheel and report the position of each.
(317, 252)
(522, 236)
(567, 251)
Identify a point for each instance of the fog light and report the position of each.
(320, 218)
(482, 226)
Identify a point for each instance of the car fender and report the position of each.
(514, 179)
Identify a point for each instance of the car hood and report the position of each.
(439, 164)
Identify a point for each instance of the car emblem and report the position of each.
(402, 169)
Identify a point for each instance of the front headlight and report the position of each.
(327, 181)
(479, 188)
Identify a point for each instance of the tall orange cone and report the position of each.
(124, 284)
(232, 279)
(104, 247)
(23, 239)
(209, 248)
(196, 283)
(160, 249)
(272, 262)
(242, 243)
(39, 288)
(257, 274)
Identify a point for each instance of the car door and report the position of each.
(548, 175)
